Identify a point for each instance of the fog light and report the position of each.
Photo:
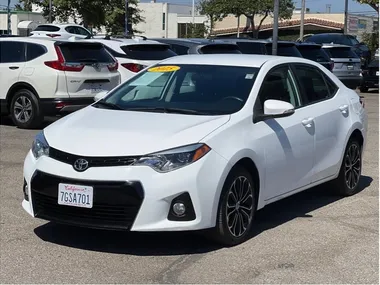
(179, 209)
(26, 191)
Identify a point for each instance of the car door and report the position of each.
(328, 108)
(288, 141)
(12, 62)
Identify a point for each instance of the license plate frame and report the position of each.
(350, 67)
(74, 195)
(377, 73)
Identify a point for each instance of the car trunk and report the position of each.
(93, 70)
(346, 62)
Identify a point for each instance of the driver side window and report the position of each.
(278, 84)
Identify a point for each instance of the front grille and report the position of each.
(92, 161)
(115, 204)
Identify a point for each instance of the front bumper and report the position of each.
(59, 106)
(138, 198)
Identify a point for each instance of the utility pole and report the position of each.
(302, 19)
(238, 26)
(50, 12)
(275, 26)
(193, 12)
(126, 18)
(345, 16)
(9, 17)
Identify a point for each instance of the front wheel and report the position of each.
(24, 109)
(236, 209)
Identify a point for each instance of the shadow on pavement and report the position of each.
(178, 243)
(7, 121)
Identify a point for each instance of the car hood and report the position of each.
(102, 132)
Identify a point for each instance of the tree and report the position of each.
(373, 3)
(195, 30)
(217, 9)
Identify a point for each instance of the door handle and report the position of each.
(307, 122)
(13, 67)
(343, 108)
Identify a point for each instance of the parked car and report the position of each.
(198, 142)
(316, 53)
(377, 54)
(43, 77)
(359, 48)
(61, 31)
(370, 76)
(198, 46)
(134, 55)
(347, 65)
(247, 46)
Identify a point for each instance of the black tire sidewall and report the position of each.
(224, 235)
(35, 119)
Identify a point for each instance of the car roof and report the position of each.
(308, 44)
(245, 60)
(332, 34)
(188, 41)
(62, 25)
(122, 42)
(41, 40)
(335, 46)
(246, 40)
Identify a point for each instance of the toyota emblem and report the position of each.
(80, 164)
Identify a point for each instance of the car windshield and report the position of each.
(186, 89)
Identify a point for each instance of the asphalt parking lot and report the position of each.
(312, 237)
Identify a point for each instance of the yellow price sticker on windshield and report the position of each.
(164, 68)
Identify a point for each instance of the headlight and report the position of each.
(175, 158)
(40, 146)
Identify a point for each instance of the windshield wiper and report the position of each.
(109, 105)
(168, 110)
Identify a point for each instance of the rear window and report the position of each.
(214, 49)
(250, 48)
(148, 51)
(47, 28)
(340, 52)
(336, 39)
(374, 63)
(75, 52)
(284, 50)
(314, 53)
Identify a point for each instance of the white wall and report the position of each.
(17, 18)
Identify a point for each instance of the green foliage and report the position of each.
(373, 3)
(219, 9)
(371, 40)
(95, 13)
(195, 30)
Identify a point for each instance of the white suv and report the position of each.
(61, 31)
(44, 77)
(135, 54)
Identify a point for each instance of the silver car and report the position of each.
(347, 65)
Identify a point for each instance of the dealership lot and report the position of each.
(312, 237)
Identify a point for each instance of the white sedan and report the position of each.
(198, 142)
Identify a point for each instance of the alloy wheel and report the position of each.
(23, 109)
(352, 166)
(240, 206)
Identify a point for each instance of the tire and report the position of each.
(363, 89)
(224, 232)
(347, 182)
(25, 110)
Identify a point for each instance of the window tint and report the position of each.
(330, 85)
(340, 52)
(314, 53)
(70, 29)
(250, 48)
(79, 52)
(12, 52)
(278, 85)
(312, 83)
(212, 49)
(284, 50)
(81, 31)
(34, 50)
(148, 51)
(180, 50)
(47, 28)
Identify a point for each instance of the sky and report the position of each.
(337, 6)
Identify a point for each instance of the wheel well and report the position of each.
(358, 135)
(250, 166)
(16, 87)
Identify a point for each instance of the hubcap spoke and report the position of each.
(352, 166)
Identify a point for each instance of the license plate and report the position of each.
(350, 67)
(377, 73)
(75, 195)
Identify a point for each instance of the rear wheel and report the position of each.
(363, 89)
(347, 183)
(236, 209)
(24, 110)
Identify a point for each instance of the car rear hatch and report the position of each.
(46, 30)
(372, 71)
(317, 54)
(89, 68)
(346, 62)
(284, 49)
(219, 48)
(144, 55)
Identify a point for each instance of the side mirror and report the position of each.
(99, 96)
(275, 109)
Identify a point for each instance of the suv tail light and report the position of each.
(60, 64)
(113, 66)
(53, 35)
(134, 67)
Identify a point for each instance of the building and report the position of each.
(22, 22)
(289, 29)
(166, 20)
